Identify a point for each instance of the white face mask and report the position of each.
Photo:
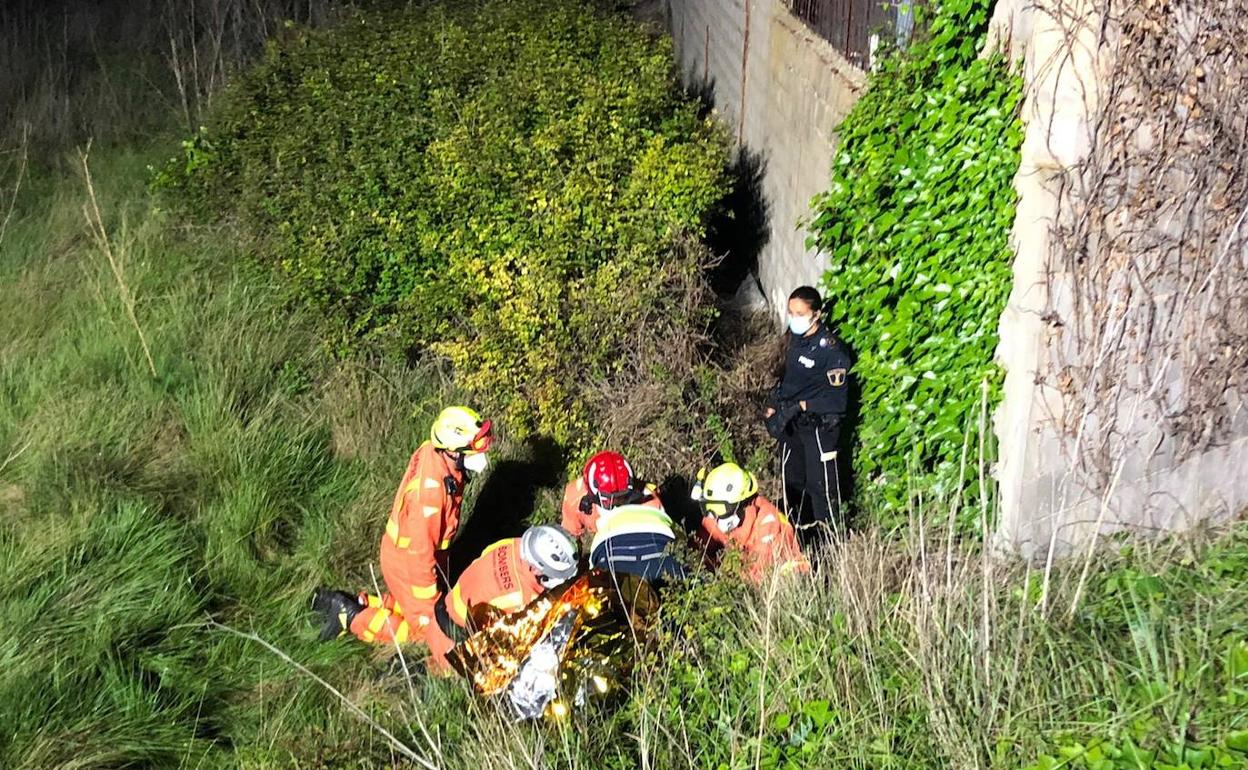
(800, 324)
(476, 463)
(728, 524)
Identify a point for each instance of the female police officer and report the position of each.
(804, 414)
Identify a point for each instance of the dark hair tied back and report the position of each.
(809, 295)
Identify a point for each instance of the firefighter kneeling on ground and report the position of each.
(606, 482)
(507, 576)
(423, 521)
(631, 531)
(736, 516)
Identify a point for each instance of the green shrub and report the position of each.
(916, 225)
(501, 183)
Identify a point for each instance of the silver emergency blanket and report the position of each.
(570, 648)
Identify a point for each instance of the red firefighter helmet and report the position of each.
(609, 477)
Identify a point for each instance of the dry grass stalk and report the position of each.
(23, 156)
(116, 263)
(398, 745)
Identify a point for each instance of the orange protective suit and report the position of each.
(578, 521)
(423, 520)
(498, 578)
(765, 536)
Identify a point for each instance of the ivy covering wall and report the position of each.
(916, 224)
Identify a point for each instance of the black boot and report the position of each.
(337, 609)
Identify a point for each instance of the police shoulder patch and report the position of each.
(836, 377)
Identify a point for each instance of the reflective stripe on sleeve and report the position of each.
(392, 532)
(457, 602)
(374, 624)
(377, 622)
(425, 592)
(509, 602)
(495, 546)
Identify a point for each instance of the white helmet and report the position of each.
(551, 551)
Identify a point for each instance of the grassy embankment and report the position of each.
(239, 466)
(223, 478)
(249, 466)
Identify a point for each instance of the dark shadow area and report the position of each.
(674, 491)
(505, 503)
(741, 228)
(848, 440)
(702, 92)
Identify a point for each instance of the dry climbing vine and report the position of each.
(1149, 297)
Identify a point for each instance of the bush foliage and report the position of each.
(251, 469)
(503, 183)
(916, 225)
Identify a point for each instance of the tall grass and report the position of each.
(225, 480)
(904, 655)
(118, 70)
(179, 457)
(138, 509)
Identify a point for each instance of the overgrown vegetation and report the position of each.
(123, 70)
(913, 656)
(505, 184)
(134, 508)
(147, 505)
(133, 505)
(915, 224)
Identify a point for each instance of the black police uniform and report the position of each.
(817, 371)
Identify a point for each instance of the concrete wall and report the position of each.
(782, 91)
(1124, 404)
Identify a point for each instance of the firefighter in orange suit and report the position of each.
(607, 482)
(423, 521)
(736, 516)
(508, 575)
